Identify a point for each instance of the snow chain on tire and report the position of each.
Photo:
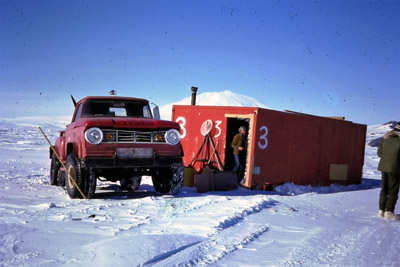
(176, 182)
(169, 180)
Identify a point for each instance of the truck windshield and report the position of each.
(110, 108)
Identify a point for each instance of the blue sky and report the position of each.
(328, 58)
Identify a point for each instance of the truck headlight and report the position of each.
(94, 136)
(172, 137)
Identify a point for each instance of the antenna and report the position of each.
(205, 130)
(73, 100)
(206, 127)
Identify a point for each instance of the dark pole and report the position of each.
(194, 90)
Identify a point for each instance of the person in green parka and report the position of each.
(389, 165)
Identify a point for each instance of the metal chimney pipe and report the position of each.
(194, 91)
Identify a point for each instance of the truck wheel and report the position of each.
(124, 184)
(61, 178)
(132, 184)
(170, 180)
(135, 182)
(54, 168)
(78, 174)
(91, 180)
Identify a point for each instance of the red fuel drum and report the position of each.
(282, 146)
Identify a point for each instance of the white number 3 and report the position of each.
(263, 143)
(182, 123)
(217, 123)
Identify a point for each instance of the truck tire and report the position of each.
(54, 168)
(78, 174)
(124, 184)
(91, 183)
(61, 178)
(135, 182)
(169, 181)
(131, 184)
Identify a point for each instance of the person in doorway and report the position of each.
(239, 145)
(389, 165)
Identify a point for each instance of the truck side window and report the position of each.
(78, 113)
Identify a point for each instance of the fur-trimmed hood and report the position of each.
(391, 134)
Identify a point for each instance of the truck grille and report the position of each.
(123, 136)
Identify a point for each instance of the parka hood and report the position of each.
(391, 134)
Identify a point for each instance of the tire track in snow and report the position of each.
(209, 251)
(168, 254)
(324, 250)
(345, 247)
(225, 212)
(374, 239)
(231, 233)
(238, 217)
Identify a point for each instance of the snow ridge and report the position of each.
(228, 238)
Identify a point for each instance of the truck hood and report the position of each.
(126, 123)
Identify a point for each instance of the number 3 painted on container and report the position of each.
(182, 124)
(217, 123)
(263, 143)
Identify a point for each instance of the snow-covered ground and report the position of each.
(292, 226)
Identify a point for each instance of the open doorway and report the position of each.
(233, 125)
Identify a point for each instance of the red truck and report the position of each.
(117, 139)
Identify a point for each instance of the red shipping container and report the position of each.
(282, 146)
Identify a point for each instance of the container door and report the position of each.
(234, 122)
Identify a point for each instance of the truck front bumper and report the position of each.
(117, 162)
